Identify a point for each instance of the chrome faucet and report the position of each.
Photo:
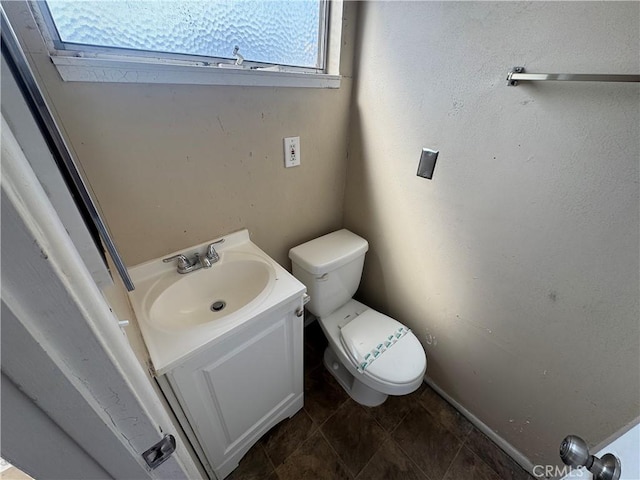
(188, 265)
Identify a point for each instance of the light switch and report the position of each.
(427, 163)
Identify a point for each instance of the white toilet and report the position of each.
(371, 355)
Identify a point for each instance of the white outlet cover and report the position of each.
(291, 152)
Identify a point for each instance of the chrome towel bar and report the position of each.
(517, 74)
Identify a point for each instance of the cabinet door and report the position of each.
(241, 386)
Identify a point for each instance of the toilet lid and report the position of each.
(400, 359)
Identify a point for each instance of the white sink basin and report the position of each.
(174, 311)
(238, 281)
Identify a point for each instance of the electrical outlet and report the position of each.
(291, 152)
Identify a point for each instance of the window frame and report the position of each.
(92, 63)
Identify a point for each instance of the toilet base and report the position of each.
(357, 390)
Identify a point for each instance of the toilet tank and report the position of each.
(330, 267)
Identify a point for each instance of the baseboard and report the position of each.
(509, 449)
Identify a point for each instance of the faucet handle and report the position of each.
(183, 262)
(211, 251)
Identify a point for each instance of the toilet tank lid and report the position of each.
(328, 252)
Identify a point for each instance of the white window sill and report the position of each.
(83, 69)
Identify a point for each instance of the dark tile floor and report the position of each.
(412, 437)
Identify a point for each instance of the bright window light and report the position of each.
(288, 33)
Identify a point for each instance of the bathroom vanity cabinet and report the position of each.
(225, 341)
(240, 386)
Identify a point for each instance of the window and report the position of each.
(243, 36)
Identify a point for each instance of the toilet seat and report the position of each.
(398, 371)
(383, 348)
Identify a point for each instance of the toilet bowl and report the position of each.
(370, 354)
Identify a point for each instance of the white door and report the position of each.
(76, 404)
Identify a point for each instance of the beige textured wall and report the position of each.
(517, 265)
(519, 260)
(175, 165)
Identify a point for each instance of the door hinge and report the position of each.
(160, 452)
(151, 368)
